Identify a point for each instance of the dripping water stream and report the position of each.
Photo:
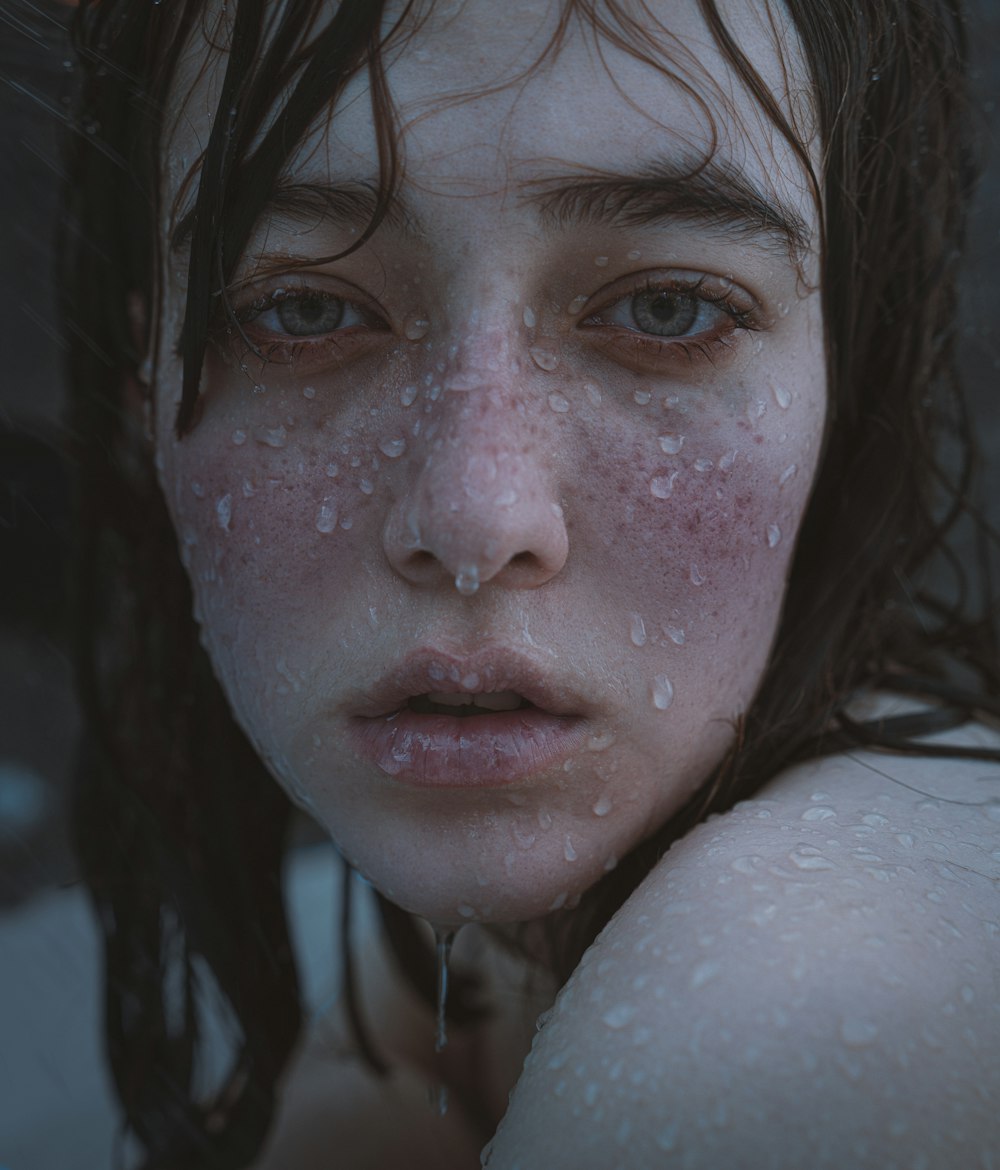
(444, 937)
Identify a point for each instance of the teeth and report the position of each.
(492, 701)
(451, 700)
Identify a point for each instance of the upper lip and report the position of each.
(429, 671)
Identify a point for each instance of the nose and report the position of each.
(480, 504)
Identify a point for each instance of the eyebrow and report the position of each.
(711, 193)
(349, 203)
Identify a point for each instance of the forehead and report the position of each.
(486, 107)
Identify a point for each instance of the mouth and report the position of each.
(482, 720)
(462, 706)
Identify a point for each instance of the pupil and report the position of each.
(666, 313)
(305, 316)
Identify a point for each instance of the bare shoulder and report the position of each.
(810, 979)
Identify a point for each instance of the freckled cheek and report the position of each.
(702, 542)
(255, 517)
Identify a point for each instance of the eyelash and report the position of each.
(739, 309)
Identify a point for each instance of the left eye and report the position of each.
(305, 314)
(665, 312)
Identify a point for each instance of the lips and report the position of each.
(487, 719)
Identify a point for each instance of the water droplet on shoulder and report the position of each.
(620, 1015)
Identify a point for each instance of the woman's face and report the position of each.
(545, 440)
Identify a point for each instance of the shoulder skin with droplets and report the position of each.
(808, 979)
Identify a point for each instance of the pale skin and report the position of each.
(522, 449)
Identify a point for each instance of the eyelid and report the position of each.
(718, 290)
(303, 283)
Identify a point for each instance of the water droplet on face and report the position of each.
(248, 489)
(593, 394)
(773, 536)
(703, 465)
(600, 743)
(239, 438)
(467, 580)
(558, 403)
(696, 576)
(662, 692)
(569, 852)
(727, 460)
(332, 470)
(576, 304)
(787, 474)
(642, 397)
(635, 254)
(326, 518)
(415, 328)
(662, 486)
(601, 261)
(276, 437)
(528, 317)
(781, 396)
(224, 511)
(638, 630)
(197, 490)
(366, 486)
(392, 448)
(308, 391)
(544, 358)
(602, 806)
(408, 395)
(671, 444)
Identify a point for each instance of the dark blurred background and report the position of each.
(38, 717)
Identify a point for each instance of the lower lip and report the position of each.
(472, 751)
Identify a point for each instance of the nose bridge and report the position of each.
(481, 503)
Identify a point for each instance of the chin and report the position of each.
(454, 895)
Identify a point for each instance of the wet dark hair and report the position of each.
(181, 831)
